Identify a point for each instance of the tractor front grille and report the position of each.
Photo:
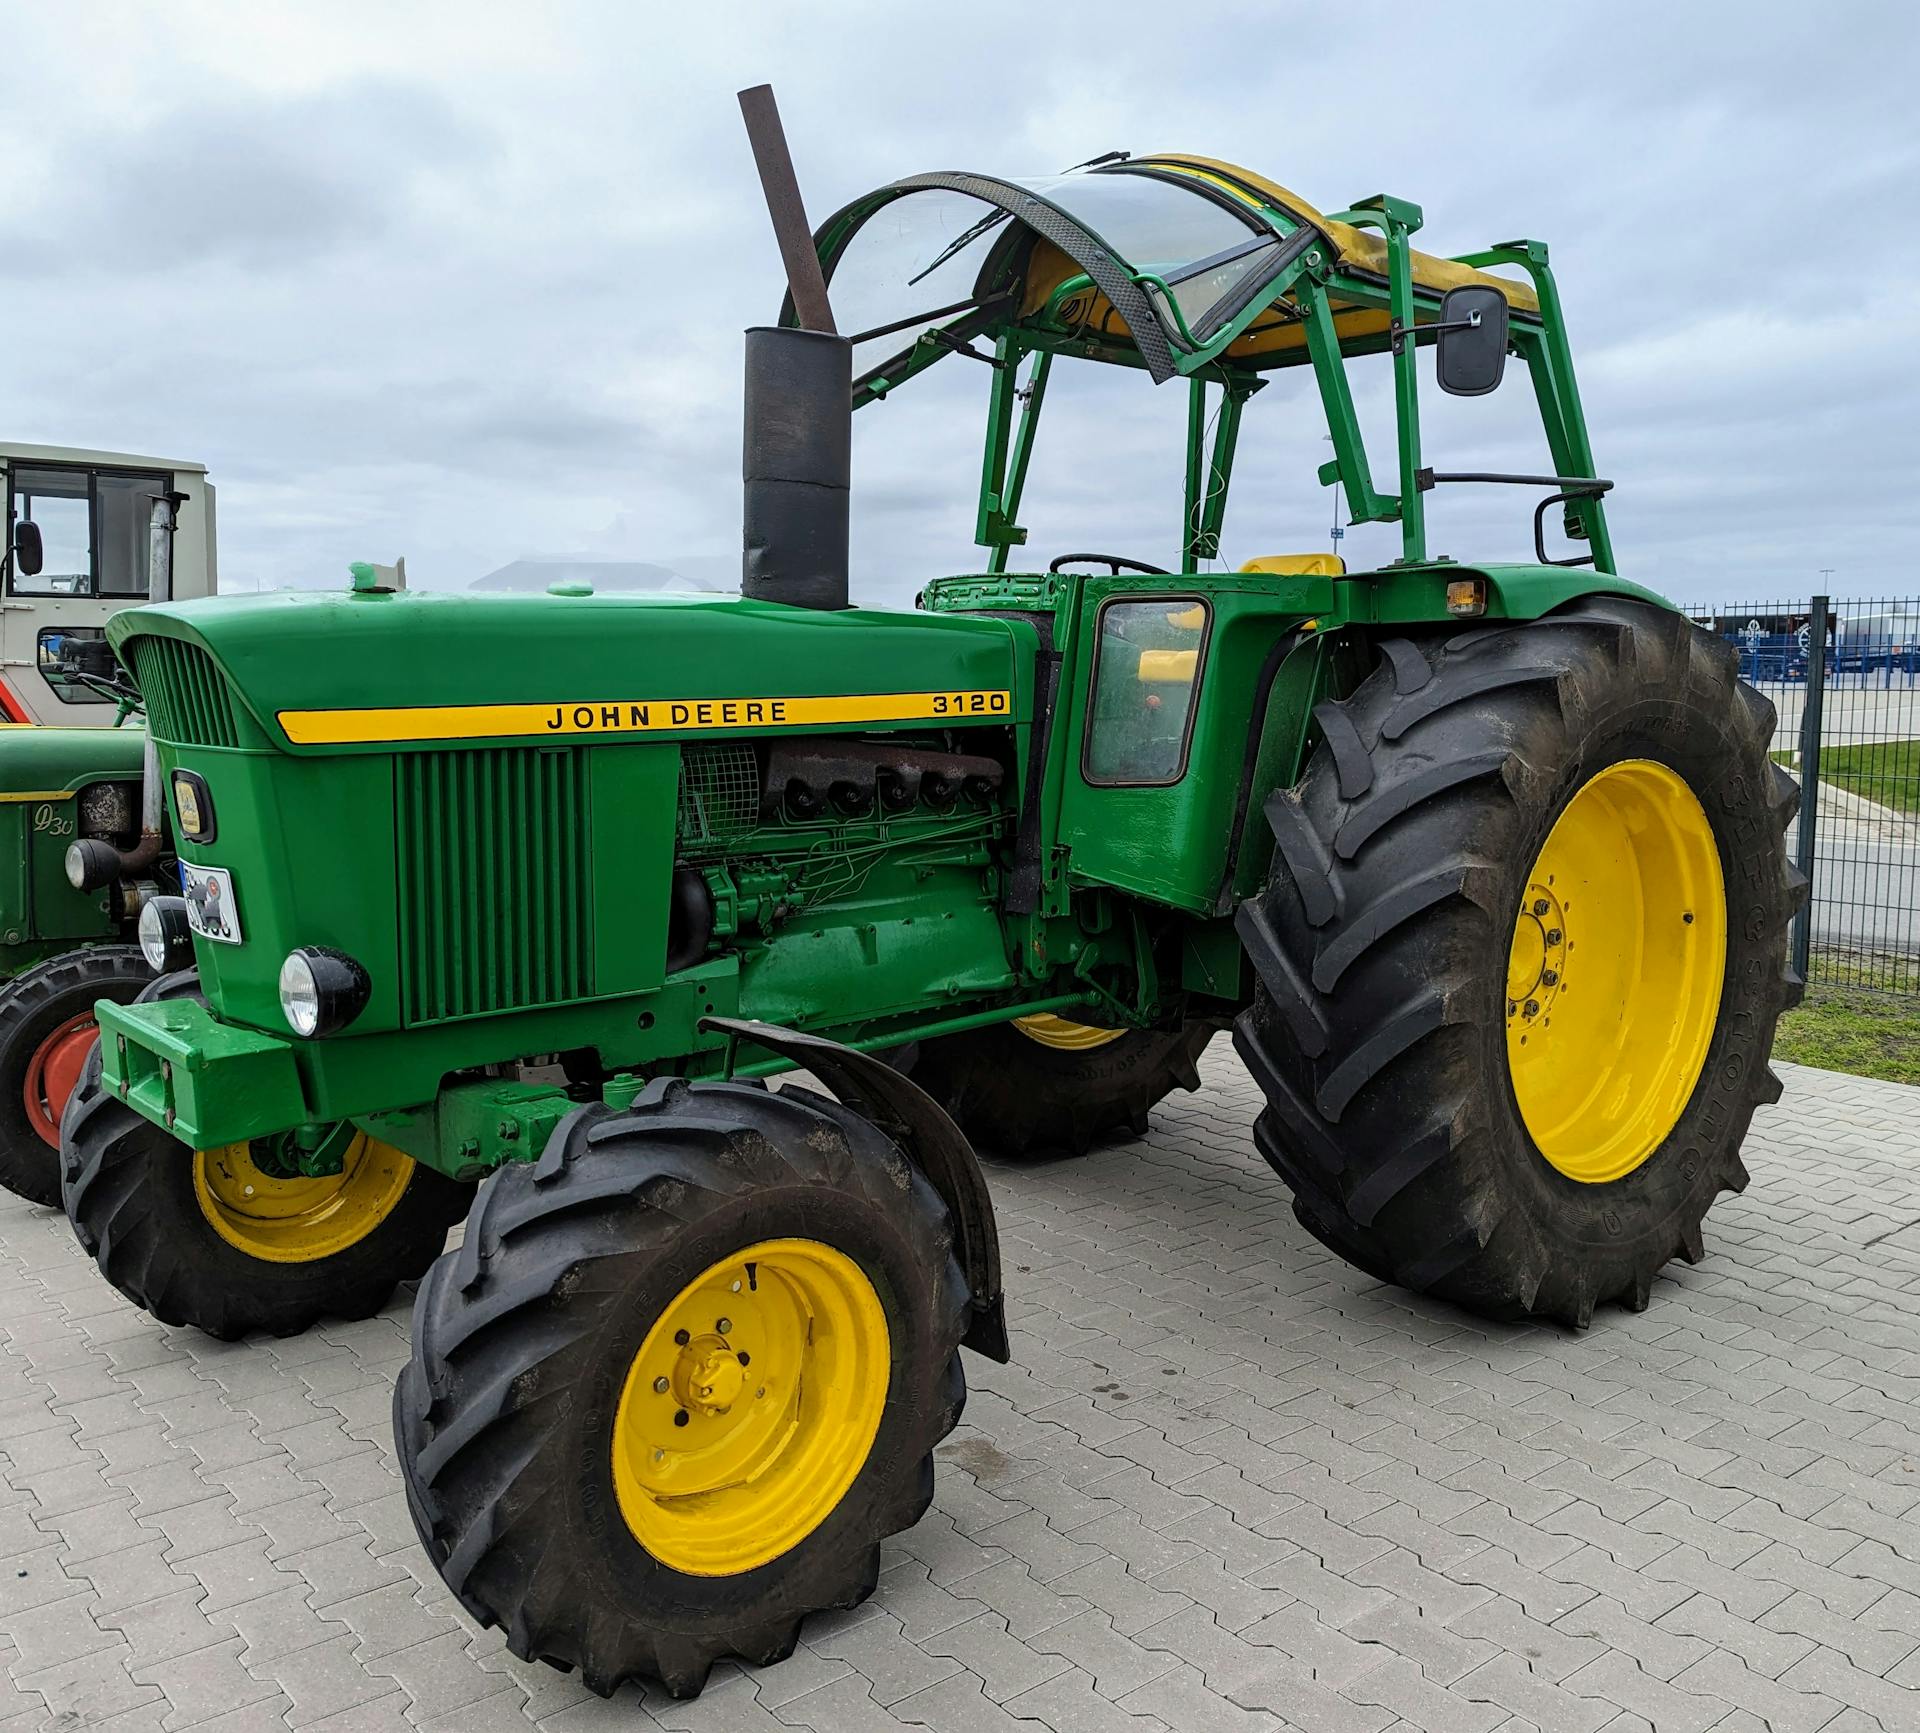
(186, 695)
(719, 794)
(495, 885)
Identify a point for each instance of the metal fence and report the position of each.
(1844, 678)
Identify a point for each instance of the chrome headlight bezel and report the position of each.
(321, 990)
(165, 934)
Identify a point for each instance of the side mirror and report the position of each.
(1472, 347)
(29, 553)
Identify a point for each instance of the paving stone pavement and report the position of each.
(1228, 1483)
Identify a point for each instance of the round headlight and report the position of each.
(166, 941)
(299, 994)
(321, 990)
(91, 863)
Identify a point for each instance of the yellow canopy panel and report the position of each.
(1355, 249)
(1358, 249)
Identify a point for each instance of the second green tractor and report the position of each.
(1481, 863)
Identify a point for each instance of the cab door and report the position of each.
(105, 534)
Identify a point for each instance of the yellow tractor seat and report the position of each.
(1298, 565)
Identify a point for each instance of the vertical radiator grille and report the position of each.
(185, 694)
(494, 880)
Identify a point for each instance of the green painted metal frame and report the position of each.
(1308, 282)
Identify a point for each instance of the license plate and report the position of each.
(212, 911)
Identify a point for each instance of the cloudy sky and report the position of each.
(466, 281)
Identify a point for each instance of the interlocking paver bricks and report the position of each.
(1228, 1483)
(889, 1666)
(1505, 1683)
(1069, 1703)
(89, 1689)
(1115, 1663)
(319, 1680)
(208, 1685)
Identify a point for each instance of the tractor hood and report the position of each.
(41, 763)
(369, 671)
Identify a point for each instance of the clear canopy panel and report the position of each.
(930, 256)
(909, 266)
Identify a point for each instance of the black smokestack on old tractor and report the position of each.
(797, 458)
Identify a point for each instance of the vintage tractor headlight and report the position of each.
(91, 863)
(321, 990)
(166, 940)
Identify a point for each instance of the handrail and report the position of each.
(1567, 487)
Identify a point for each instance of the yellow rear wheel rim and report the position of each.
(751, 1407)
(299, 1221)
(1614, 972)
(1068, 1037)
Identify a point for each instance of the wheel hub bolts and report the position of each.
(709, 1380)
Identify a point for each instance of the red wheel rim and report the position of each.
(53, 1071)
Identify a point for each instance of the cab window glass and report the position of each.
(124, 533)
(1145, 677)
(50, 650)
(97, 529)
(912, 260)
(59, 502)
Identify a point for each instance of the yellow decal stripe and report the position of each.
(37, 794)
(635, 716)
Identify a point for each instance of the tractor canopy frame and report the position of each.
(1195, 269)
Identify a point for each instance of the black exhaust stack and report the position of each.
(797, 457)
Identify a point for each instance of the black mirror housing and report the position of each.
(1471, 352)
(29, 553)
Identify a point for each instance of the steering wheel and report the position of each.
(1112, 562)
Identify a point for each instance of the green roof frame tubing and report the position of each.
(1309, 281)
(1008, 450)
(1398, 220)
(1209, 475)
(1549, 360)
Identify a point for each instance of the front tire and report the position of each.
(1050, 1086)
(716, 1279)
(1521, 957)
(46, 1027)
(212, 1238)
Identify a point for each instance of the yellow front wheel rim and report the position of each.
(1614, 972)
(1067, 1037)
(751, 1407)
(299, 1221)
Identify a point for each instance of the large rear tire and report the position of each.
(1051, 1086)
(212, 1238)
(46, 1028)
(681, 1379)
(1521, 957)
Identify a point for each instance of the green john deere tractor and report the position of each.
(82, 844)
(1481, 862)
(63, 945)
